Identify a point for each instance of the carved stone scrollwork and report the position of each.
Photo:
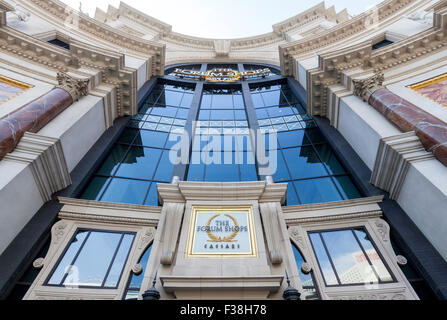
(58, 231)
(147, 238)
(137, 269)
(366, 87)
(401, 260)
(77, 88)
(38, 263)
(306, 268)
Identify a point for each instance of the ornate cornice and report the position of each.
(338, 33)
(366, 87)
(333, 66)
(394, 157)
(77, 88)
(74, 19)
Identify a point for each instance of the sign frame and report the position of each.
(195, 210)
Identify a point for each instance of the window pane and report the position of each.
(348, 258)
(292, 138)
(222, 101)
(95, 188)
(152, 196)
(306, 279)
(304, 163)
(151, 138)
(373, 256)
(323, 259)
(67, 260)
(165, 168)
(139, 163)
(272, 98)
(94, 259)
(113, 160)
(347, 187)
(186, 101)
(119, 262)
(171, 98)
(281, 174)
(329, 159)
(317, 191)
(257, 100)
(292, 198)
(128, 135)
(126, 191)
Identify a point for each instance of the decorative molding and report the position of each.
(171, 231)
(394, 157)
(272, 230)
(342, 31)
(137, 269)
(222, 48)
(77, 88)
(332, 71)
(38, 263)
(306, 268)
(47, 162)
(147, 238)
(366, 87)
(401, 260)
(58, 232)
(372, 296)
(73, 19)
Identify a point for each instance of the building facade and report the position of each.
(136, 161)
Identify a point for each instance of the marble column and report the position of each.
(406, 116)
(35, 115)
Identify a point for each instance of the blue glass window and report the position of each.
(93, 259)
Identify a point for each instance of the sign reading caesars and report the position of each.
(222, 75)
(221, 231)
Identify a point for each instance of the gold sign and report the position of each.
(221, 231)
(222, 75)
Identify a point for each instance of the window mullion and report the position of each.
(75, 257)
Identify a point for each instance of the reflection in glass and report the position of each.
(310, 292)
(93, 259)
(136, 280)
(348, 257)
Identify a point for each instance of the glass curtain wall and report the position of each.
(221, 120)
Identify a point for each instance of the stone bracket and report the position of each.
(46, 158)
(174, 215)
(269, 213)
(394, 156)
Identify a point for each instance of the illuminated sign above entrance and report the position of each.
(219, 231)
(222, 75)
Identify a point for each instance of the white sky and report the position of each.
(223, 18)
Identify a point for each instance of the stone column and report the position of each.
(35, 115)
(406, 116)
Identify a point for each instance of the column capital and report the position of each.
(366, 87)
(77, 88)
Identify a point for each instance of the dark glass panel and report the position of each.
(95, 188)
(139, 163)
(292, 198)
(128, 135)
(126, 191)
(151, 138)
(303, 162)
(113, 160)
(136, 280)
(347, 187)
(319, 190)
(292, 138)
(306, 279)
(329, 159)
(315, 135)
(152, 196)
(165, 168)
(281, 174)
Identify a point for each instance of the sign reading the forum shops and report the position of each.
(221, 231)
(222, 75)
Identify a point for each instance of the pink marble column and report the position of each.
(31, 117)
(406, 116)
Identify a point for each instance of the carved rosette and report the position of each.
(137, 269)
(401, 260)
(77, 88)
(38, 263)
(306, 268)
(366, 87)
